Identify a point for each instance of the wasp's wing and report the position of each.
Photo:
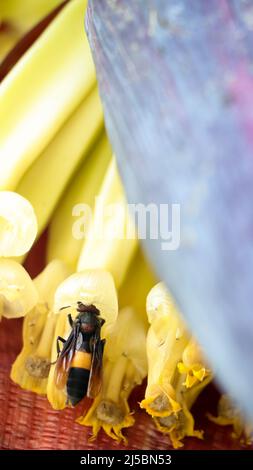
(65, 358)
(95, 380)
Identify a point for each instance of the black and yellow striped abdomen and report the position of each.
(78, 378)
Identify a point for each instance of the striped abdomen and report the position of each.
(78, 378)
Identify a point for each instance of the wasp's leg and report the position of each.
(92, 343)
(57, 344)
(58, 348)
(102, 322)
(70, 319)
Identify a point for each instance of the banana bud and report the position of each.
(124, 367)
(230, 415)
(89, 287)
(31, 368)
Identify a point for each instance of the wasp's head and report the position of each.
(87, 316)
(82, 308)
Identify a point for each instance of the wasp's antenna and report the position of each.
(62, 308)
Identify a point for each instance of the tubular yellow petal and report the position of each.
(57, 398)
(83, 188)
(193, 364)
(194, 374)
(180, 425)
(32, 330)
(31, 368)
(139, 280)
(111, 241)
(176, 374)
(166, 340)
